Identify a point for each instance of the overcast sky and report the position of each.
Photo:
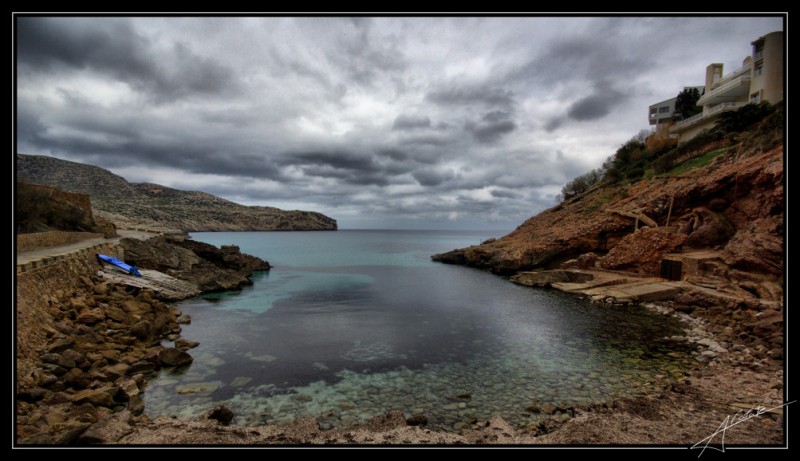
(376, 122)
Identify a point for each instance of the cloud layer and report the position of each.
(377, 122)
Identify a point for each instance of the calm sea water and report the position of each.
(350, 324)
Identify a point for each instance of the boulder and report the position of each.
(136, 405)
(142, 366)
(117, 314)
(709, 229)
(32, 395)
(127, 387)
(184, 320)
(76, 379)
(173, 357)
(642, 251)
(91, 316)
(185, 344)
(108, 431)
(220, 413)
(142, 329)
(103, 396)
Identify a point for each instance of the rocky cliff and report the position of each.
(40, 208)
(131, 205)
(733, 206)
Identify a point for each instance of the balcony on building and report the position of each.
(734, 87)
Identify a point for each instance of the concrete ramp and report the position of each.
(169, 287)
(637, 292)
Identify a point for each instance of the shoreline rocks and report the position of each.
(105, 342)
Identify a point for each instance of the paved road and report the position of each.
(61, 250)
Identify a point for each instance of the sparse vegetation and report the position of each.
(696, 162)
(649, 154)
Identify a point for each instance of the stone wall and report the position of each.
(44, 285)
(28, 242)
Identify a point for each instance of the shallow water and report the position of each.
(351, 324)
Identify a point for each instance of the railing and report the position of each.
(724, 107)
(747, 67)
(687, 122)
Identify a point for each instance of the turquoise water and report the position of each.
(350, 324)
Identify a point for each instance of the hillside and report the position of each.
(159, 207)
(721, 194)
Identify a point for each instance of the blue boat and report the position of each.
(133, 270)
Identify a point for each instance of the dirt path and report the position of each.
(63, 250)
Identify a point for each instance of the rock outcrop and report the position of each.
(208, 267)
(734, 206)
(42, 208)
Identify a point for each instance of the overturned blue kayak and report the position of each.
(133, 270)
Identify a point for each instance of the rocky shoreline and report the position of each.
(87, 389)
(105, 342)
(100, 342)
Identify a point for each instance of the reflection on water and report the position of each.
(378, 326)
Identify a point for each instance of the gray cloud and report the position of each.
(410, 122)
(492, 126)
(428, 177)
(374, 121)
(597, 105)
(112, 47)
(487, 96)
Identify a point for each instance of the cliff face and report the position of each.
(159, 207)
(41, 208)
(732, 206)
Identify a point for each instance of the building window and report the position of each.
(759, 68)
(759, 53)
(653, 110)
(663, 109)
(755, 98)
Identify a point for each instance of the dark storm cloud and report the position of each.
(431, 120)
(114, 144)
(113, 47)
(472, 95)
(394, 154)
(428, 177)
(411, 122)
(554, 123)
(582, 57)
(364, 57)
(597, 105)
(491, 126)
(338, 160)
(504, 193)
(423, 139)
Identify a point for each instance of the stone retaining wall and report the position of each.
(45, 284)
(89, 253)
(27, 242)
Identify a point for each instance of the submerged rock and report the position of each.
(174, 357)
(198, 388)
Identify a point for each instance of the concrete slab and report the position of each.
(639, 291)
(168, 286)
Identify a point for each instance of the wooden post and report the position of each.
(669, 213)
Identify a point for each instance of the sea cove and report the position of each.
(349, 325)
